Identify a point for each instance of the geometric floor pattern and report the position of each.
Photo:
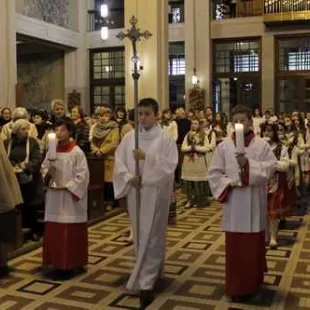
(195, 262)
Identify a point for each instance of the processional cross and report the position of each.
(134, 34)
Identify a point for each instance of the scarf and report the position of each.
(65, 148)
(100, 131)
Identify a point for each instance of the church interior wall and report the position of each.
(41, 79)
(45, 24)
(63, 13)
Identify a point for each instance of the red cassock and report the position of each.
(245, 262)
(65, 245)
(280, 202)
(245, 255)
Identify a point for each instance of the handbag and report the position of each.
(24, 178)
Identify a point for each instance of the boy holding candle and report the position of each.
(238, 177)
(66, 174)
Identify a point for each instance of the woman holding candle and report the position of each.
(238, 175)
(194, 168)
(278, 207)
(66, 175)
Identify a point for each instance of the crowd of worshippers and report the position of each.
(25, 137)
(196, 133)
(179, 148)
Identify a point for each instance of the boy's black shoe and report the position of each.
(146, 298)
(4, 271)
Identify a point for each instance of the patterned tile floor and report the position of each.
(194, 269)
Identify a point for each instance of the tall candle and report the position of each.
(52, 146)
(239, 138)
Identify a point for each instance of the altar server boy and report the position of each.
(158, 158)
(65, 239)
(240, 181)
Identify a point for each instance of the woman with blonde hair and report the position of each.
(18, 113)
(104, 140)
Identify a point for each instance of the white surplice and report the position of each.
(157, 173)
(245, 209)
(71, 172)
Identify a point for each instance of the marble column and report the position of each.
(268, 72)
(198, 46)
(153, 52)
(8, 65)
(77, 62)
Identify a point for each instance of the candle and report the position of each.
(52, 146)
(239, 138)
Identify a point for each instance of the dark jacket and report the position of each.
(32, 192)
(184, 126)
(82, 136)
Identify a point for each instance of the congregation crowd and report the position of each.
(196, 133)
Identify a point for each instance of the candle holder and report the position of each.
(239, 183)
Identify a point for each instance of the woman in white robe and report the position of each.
(158, 158)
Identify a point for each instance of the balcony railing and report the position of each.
(285, 6)
(223, 9)
(286, 11)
